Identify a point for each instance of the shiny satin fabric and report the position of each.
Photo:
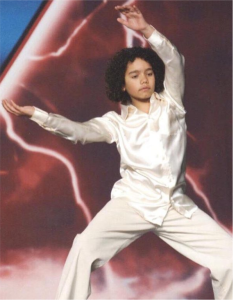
(152, 146)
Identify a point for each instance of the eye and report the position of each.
(135, 76)
(150, 74)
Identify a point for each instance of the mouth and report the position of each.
(146, 88)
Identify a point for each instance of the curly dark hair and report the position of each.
(116, 68)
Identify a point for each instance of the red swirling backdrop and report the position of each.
(50, 187)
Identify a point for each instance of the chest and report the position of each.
(146, 138)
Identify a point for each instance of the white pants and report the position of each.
(117, 225)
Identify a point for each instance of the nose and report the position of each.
(144, 79)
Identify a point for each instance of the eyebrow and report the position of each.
(137, 71)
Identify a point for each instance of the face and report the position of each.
(139, 80)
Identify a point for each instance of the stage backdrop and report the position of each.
(50, 188)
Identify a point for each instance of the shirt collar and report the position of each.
(126, 109)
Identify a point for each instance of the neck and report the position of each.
(143, 106)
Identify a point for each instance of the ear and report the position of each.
(123, 88)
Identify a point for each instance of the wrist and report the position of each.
(147, 31)
(30, 111)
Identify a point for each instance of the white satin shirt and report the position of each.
(152, 146)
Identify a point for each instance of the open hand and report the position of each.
(134, 18)
(17, 110)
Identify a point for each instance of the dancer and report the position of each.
(150, 135)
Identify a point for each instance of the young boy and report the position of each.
(150, 135)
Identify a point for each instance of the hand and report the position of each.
(17, 110)
(134, 18)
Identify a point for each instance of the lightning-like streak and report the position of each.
(129, 33)
(74, 180)
(49, 152)
(206, 200)
(111, 278)
(63, 48)
(13, 136)
(202, 195)
(129, 2)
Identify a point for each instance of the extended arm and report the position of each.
(173, 60)
(174, 68)
(100, 129)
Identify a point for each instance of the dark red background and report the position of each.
(39, 214)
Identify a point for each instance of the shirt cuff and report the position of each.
(154, 38)
(39, 116)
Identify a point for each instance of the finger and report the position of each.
(5, 101)
(5, 104)
(8, 104)
(123, 22)
(13, 106)
(128, 11)
(126, 6)
(136, 9)
(14, 113)
(17, 107)
(10, 108)
(124, 12)
(123, 9)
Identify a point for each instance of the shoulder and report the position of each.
(176, 106)
(112, 116)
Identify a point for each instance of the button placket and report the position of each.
(165, 163)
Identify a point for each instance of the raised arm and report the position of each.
(100, 129)
(173, 60)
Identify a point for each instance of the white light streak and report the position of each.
(205, 199)
(62, 49)
(74, 180)
(112, 278)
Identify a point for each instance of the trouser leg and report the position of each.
(205, 242)
(113, 228)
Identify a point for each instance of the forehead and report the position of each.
(137, 65)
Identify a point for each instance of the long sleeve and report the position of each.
(174, 68)
(100, 129)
